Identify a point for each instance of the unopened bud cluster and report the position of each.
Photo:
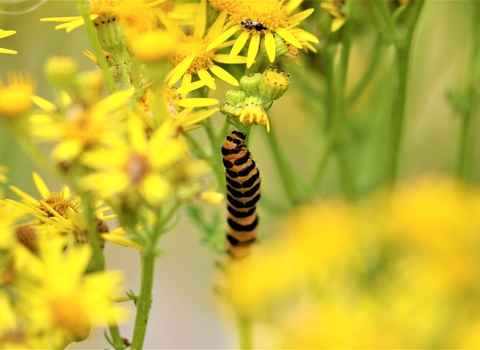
(257, 91)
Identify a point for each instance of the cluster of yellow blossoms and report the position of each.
(130, 148)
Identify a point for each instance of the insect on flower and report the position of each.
(249, 24)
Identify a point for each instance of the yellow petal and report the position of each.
(253, 49)
(270, 46)
(186, 80)
(292, 5)
(179, 70)
(23, 195)
(224, 75)
(184, 89)
(6, 33)
(301, 16)
(328, 6)
(170, 25)
(306, 36)
(222, 38)
(216, 28)
(207, 79)
(155, 189)
(8, 51)
(197, 102)
(285, 34)
(239, 44)
(47, 106)
(67, 150)
(201, 21)
(41, 186)
(193, 118)
(121, 240)
(69, 26)
(114, 101)
(337, 23)
(226, 59)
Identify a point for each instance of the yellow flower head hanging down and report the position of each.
(193, 55)
(5, 34)
(267, 18)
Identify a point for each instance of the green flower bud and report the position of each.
(89, 86)
(273, 84)
(249, 83)
(60, 70)
(235, 96)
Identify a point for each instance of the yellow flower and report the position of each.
(16, 97)
(5, 34)
(335, 9)
(135, 168)
(58, 212)
(269, 18)
(68, 23)
(83, 128)
(57, 301)
(193, 57)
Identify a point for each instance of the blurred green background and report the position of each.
(186, 313)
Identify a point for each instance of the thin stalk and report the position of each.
(403, 57)
(98, 259)
(339, 104)
(83, 9)
(364, 80)
(402, 60)
(284, 169)
(322, 165)
(216, 158)
(144, 300)
(463, 160)
(245, 331)
(117, 340)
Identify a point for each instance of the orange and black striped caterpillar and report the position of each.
(243, 192)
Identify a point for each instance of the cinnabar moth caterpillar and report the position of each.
(243, 192)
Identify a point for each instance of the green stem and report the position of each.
(216, 158)
(117, 340)
(245, 331)
(97, 262)
(339, 104)
(322, 165)
(144, 300)
(364, 80)
(463, 161)
(283, 168)
(398, 116)
(83, 9)
(463, 154)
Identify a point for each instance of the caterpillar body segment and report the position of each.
(243, 193)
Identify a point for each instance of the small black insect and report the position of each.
(249, 24)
